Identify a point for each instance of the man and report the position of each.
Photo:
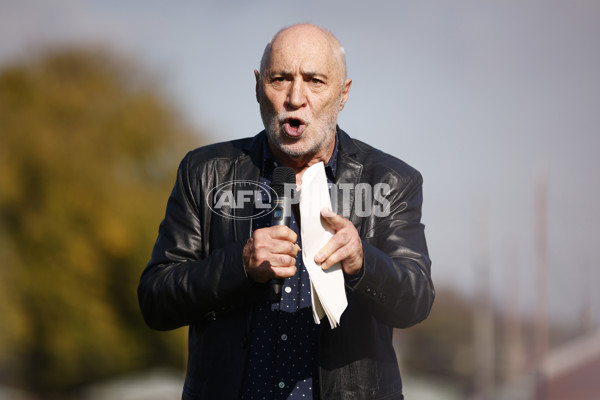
(211, 272)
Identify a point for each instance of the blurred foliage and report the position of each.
(88, 152)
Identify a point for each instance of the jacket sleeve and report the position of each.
(181, 285)
(396, 281)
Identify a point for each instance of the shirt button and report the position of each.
(281, 385)
(284, 337)
(288, 289)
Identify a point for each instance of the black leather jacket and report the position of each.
(196, 275)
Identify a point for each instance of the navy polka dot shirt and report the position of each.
(283, 349)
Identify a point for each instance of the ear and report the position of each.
(345, 92)
(257, 88)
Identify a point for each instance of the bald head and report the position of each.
(313, 37)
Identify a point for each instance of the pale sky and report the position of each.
(484, 98)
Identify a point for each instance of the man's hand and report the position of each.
(271, 253)
(344, 246)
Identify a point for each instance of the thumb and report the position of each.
(331, 219)
(327, 213)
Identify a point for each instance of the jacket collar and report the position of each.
(347, 145)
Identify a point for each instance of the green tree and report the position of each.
(88, 151)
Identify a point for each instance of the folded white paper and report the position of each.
(328, 293)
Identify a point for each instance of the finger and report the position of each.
(282, 260)
(351, 261)
(265, 272)
(337, 241)
(281, 256)
(283, 272)
(336, 257)
(351, 257)
(325, 252)
(282, 247)
(283, 241)
(283, 232)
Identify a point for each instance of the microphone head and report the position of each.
(282, 176)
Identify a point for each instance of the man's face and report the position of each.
(301, 92)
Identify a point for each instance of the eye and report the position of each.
(279, 81)
(313, 80)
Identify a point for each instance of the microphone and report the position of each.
(281, 215)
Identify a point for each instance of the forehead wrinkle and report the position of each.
(292, 70)
(307, 66)
(313, 73)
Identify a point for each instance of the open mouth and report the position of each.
(294, 127)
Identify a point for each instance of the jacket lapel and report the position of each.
(347, 176)
(247, 168)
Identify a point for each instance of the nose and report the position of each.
(296, 96)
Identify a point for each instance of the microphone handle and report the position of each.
(281, 216)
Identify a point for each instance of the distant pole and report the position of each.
(588, 284)
(484, 316)
(513, 340)
(541, 312)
